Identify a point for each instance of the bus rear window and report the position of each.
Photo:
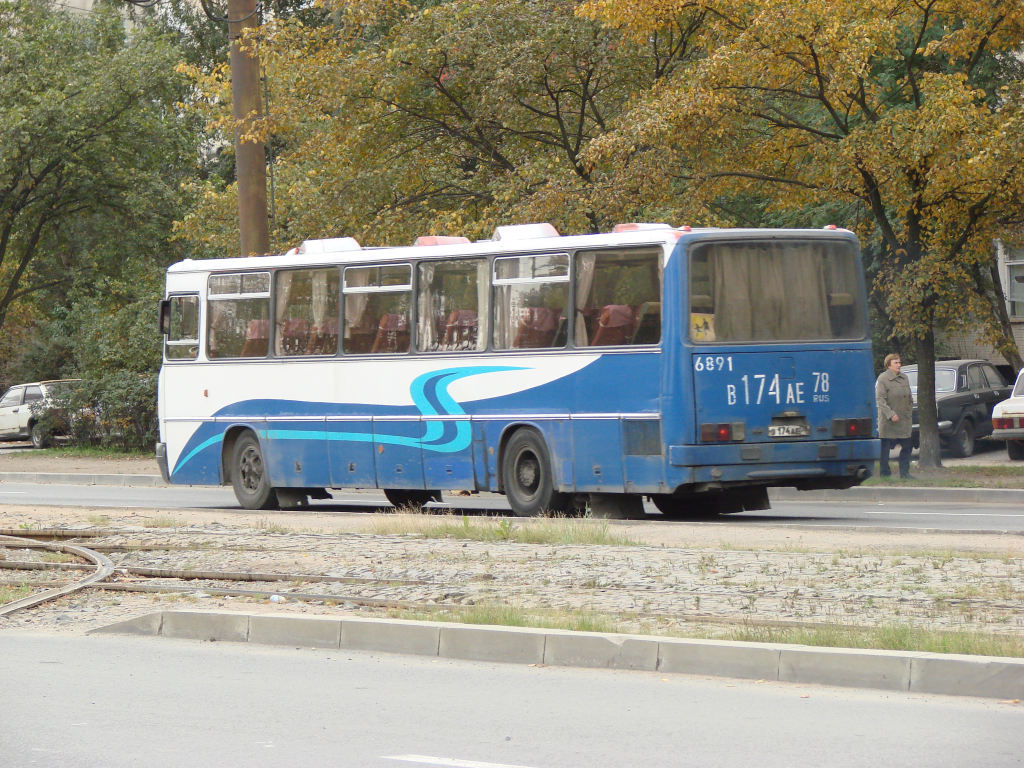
(779, 290)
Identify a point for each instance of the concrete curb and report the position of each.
(860, 494)
(912, 672)
(81, 478)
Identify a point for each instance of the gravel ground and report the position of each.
(677, 576)
(685, 579)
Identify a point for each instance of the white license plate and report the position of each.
(788, 430)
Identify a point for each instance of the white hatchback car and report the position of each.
(1008, 420)
(22, 407)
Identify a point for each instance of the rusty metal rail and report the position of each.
(104, 567)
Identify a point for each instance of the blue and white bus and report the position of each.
(695, 367)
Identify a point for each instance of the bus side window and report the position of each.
(238, 315)
(618, 297)
(376, 309)
(531, 294)
(306, 312)
(452, 298)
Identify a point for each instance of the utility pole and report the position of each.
(250, 155)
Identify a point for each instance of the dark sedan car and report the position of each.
(965, 393)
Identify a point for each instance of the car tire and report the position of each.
(1015, 449)
(39, 436)
(961, 444)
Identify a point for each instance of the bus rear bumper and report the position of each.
(776, 463)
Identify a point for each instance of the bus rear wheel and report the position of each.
(249, 475)
(527, 478)
(410, 497)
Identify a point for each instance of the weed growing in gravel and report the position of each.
(58, 557)
(515, 616)
(167, 522)
(98, 520)
(11, 592)
(267, 526)
(553, 530)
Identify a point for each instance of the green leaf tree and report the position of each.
(92, 149)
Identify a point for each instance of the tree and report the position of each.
(413, 117)
(912, 111)
(92, 149)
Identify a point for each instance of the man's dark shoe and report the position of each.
(907, 477)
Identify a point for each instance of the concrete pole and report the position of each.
(250, 156)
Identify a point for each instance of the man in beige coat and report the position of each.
(895, 415)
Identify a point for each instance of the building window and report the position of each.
(1015, 286)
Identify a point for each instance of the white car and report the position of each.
(22, 407)
(1008, 420)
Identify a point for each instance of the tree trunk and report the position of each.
(927, 418)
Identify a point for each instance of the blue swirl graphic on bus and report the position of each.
(430, 397)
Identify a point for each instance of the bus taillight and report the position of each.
(851, 427)
(723, 433)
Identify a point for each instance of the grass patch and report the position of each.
(8, 593)
(58, 557)
(167, 522)
(996, 476)
(901, 637)
(90, 452)
(555, 530)
(99, 520)
(514, 616)
(267, 526)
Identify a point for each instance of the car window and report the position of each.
(976, 378)
(945, 379)
(1018, 388)
(12, 397)
(995, 378)
(32, 394)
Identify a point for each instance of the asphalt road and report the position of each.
(987, 517)
(115, 701)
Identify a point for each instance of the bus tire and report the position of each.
(410, 497)
(249, 474)
(527, 479)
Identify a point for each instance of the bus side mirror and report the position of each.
(165, 317)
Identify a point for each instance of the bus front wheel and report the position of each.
(249, 475)
(527, 477)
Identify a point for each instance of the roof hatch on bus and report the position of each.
(524, 231)
(329, 245)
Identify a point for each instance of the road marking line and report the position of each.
(13, 493)
(450, 761)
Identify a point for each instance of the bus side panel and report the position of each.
(296, 453)
(199, 465)
(396, 446)
(350, 452)
(598, 449)
(447, 465)
(609, 399)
